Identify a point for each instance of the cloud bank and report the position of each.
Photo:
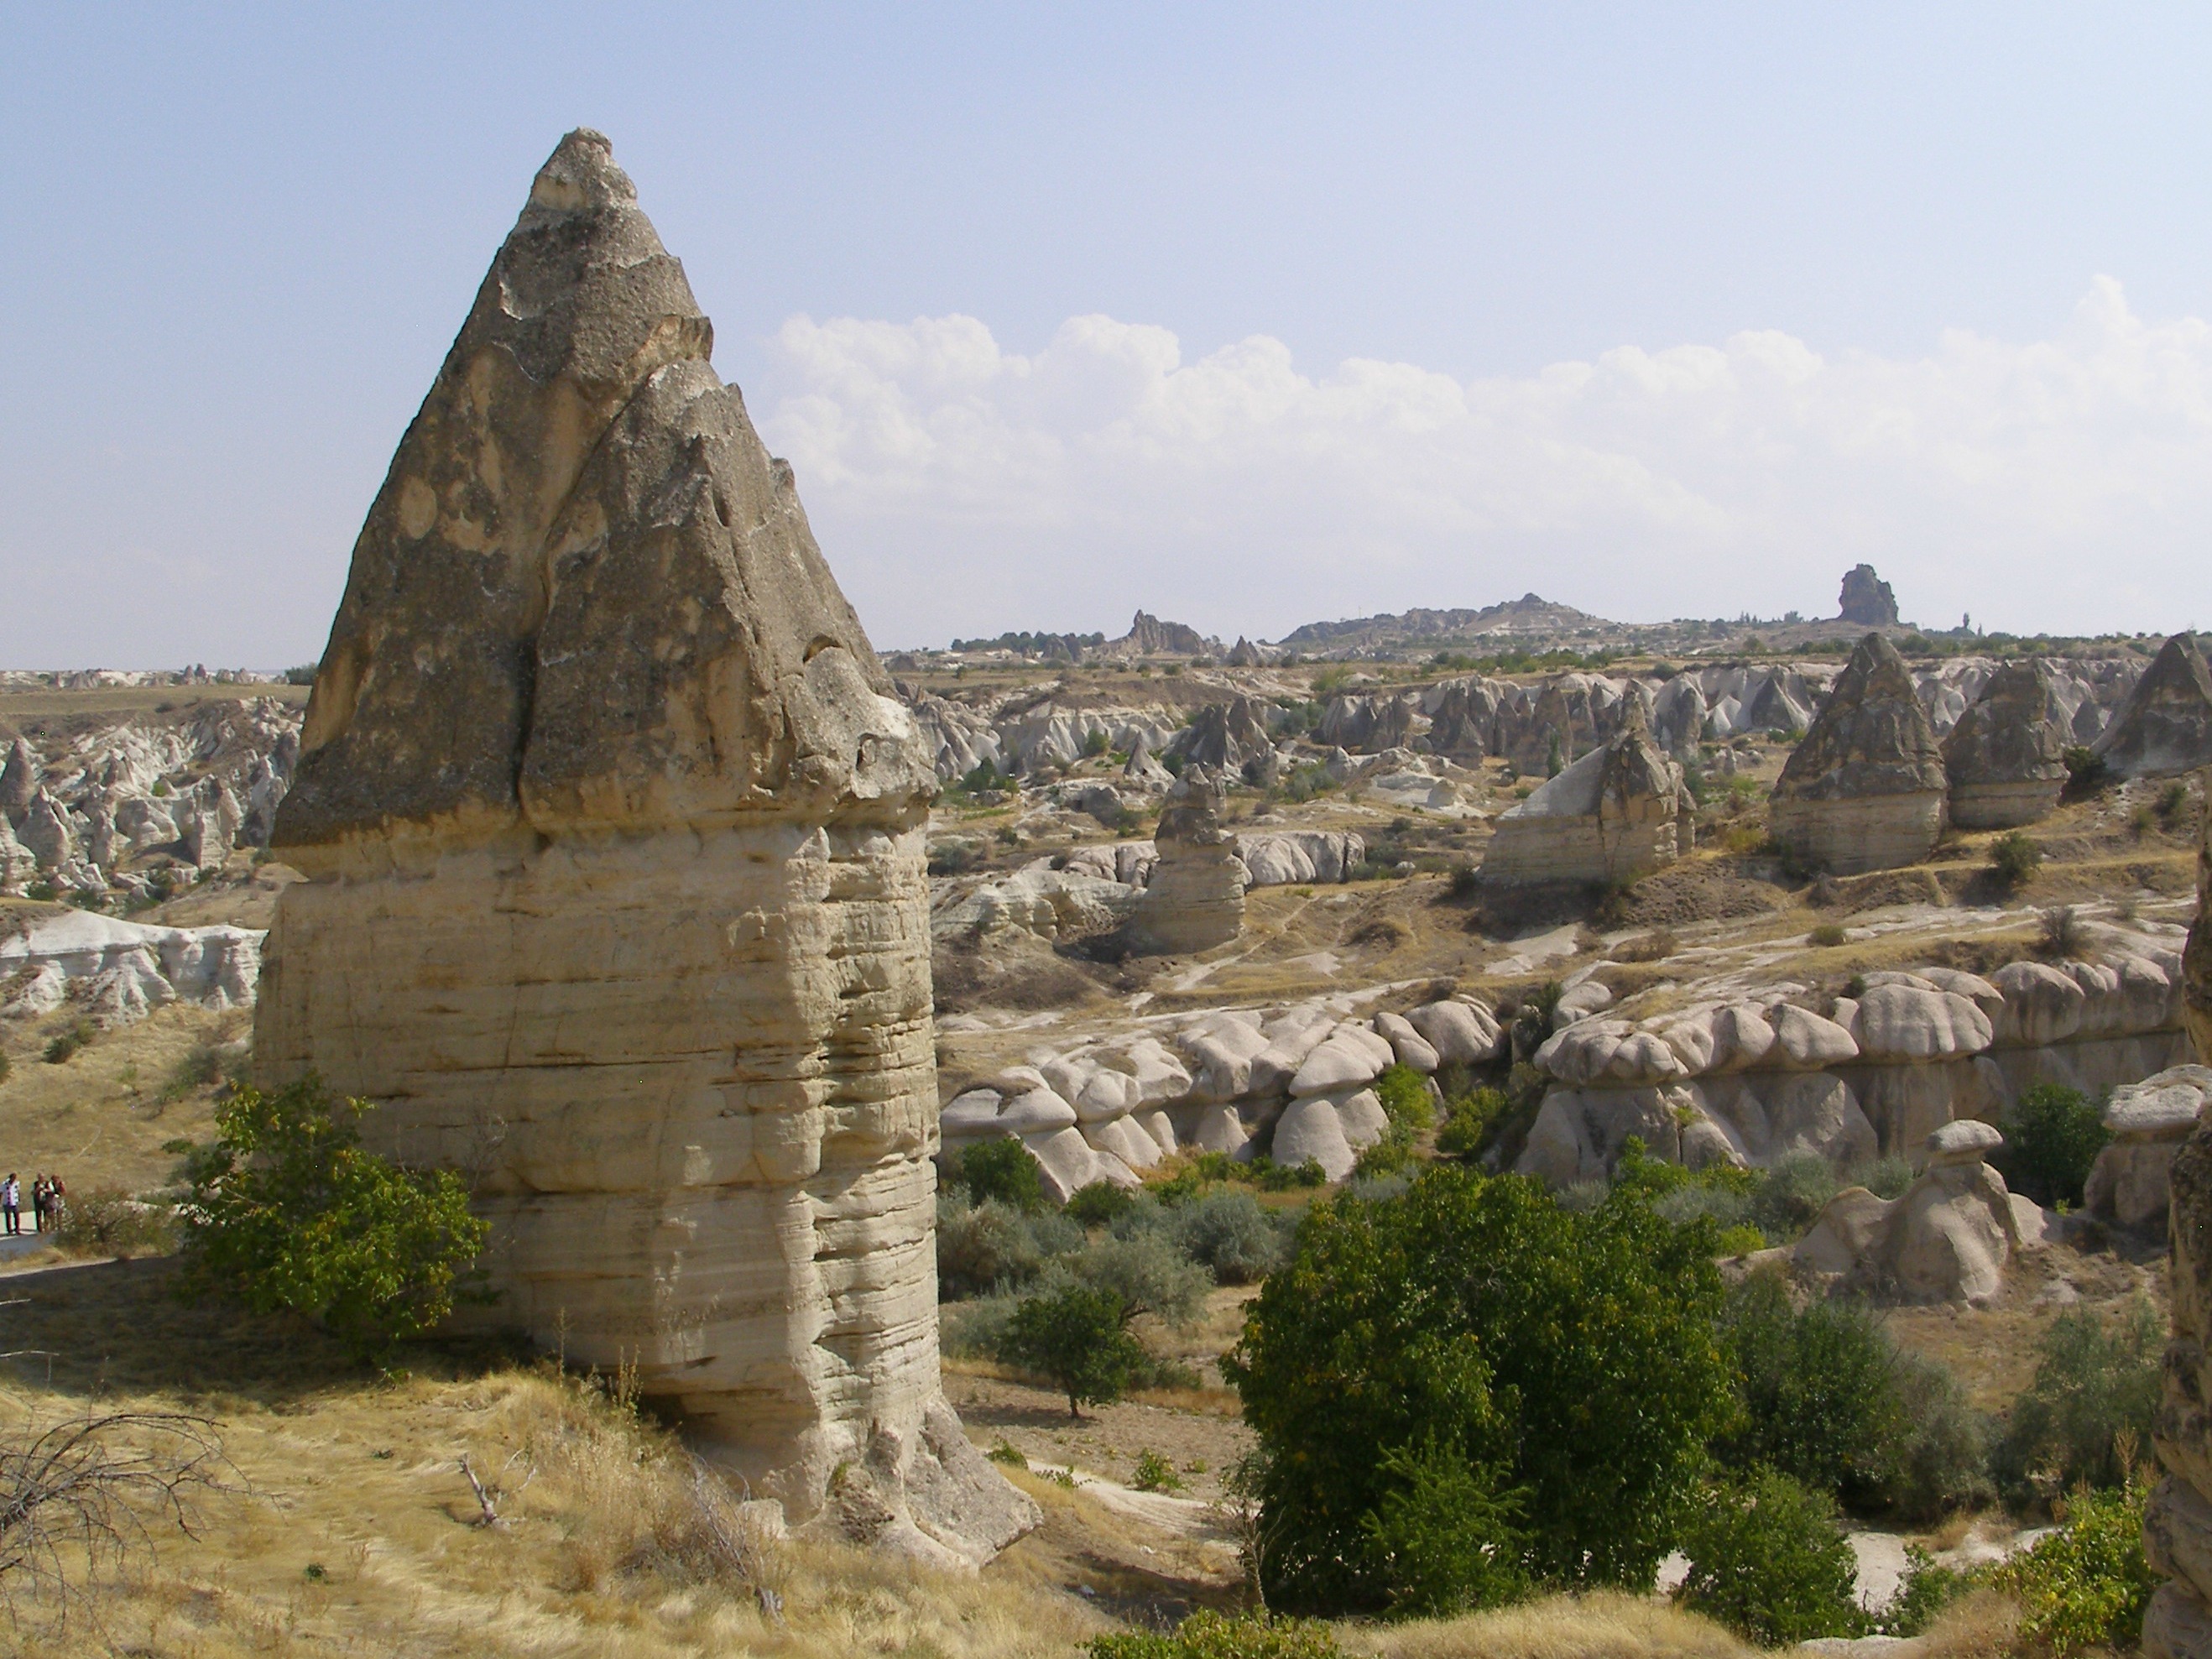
(961, 488)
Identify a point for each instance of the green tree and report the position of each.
(1001, 1170)
(2088, 1411)
(1568, 1357)
(2052, 1135)
(2086, 1585)
(1078, 1335)
(285, 1210)
(1768, 1560)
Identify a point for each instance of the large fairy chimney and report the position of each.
(613, 833)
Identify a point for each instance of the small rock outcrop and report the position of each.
(1195, 899)
(1149, 636)
(19, 781)
(2130, 1183)
(1866, 600)
(1618, 813)
(2006, 757)
(1244, 654)
(1865, 790)
(1224, 736)
(2164, 727)
(613, 838)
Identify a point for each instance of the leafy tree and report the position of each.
(1819, 1391)
(980, 1247)
(2086, 1585)
(1472, 1317)
(1100, 1204)
(2015, 858)
(285, 1210)
(1001, 1170)
(2090, 1406)
(1446, 1536)
(2053, 1136)
(1079, 1336)
(1768, 1560)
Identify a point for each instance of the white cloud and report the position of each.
(960, 488)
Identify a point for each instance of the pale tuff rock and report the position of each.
(1225, 736)
(2006, 757)
(1865, 598)
(613, 834)
(2130, 1183)
(17, 864)
(1614, 815)
(1291, 858)
(47, 832)
(19, 781)
(122, 970)
(1148, 636)
(2164, 726)
(1195, 899)
(1243, 655)
(1865, 789)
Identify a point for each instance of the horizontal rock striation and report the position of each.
(1617, 814)
(2006, 757)
(613, 833)
(1865, 790)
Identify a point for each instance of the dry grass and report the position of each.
(1606, 1624)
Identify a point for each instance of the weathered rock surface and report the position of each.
(2131, 1183)
(2164, 726)
(1616, 814)
(613, 834)
(1865, 598)
(122, 970)
(2176, 1534)
(1865, 790)
(1947, 1239)
(1195, 899)
(2006, 757)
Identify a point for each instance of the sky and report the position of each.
(1247, 316)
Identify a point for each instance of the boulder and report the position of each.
(1350, 1056)
(1219, 1129)
(1287, 857)
(1804, 1042)
(1596, 1052)
(1865, 789)
(1909, 1023)
(1461, 1033)
(1614, 816)
(2164, 727)
(1066, 1164)
(1221, 1053)
(612, 830)
(1411, 1047)
(2005, 758)
(1195, 899)
(2130, 1185)
(1310, 1129)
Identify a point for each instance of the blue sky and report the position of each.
(1247, 315)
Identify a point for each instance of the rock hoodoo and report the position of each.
(1195, 899)
(2164, 726)
(1866, 600)
(1865, 789)
(2006, 757)
(1616, 814)
(615, 900)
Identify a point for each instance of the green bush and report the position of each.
(2086, 1585)
(2052, 1135)
(2089, 1408)
(108, 1221)
(1001, 1170)
(285, 1210)
(1209, 1634)
(980, 1247)
(1446, 1537)
(2015, 858)
(1475, 1315)
(1146, 1272)
(1155, 1473)
(1790, 1196)
(1077, 1336)
(1231, 1235)
(1100, 1204)
(1828, 935)
(1942, 1463)
(1818, 1387)
(1469, 1122)
(65, 1046)
(1769, 1560)
(1926, 1589)
(1406, 1100)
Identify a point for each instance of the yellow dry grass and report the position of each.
(1605, 1625)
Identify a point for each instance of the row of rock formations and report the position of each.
(612, 832)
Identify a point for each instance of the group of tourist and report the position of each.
(47, 1196)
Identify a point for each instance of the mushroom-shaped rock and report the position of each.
(1290, 1040)
(2164, 726)
(1731, 1037)
(1411, 1048)
(1221, 1056)
(1125, 1140)
(1804, 1042)
(1461, 1033)
(1614, 815)
(1351, 1056)
(2042, 1005)
(1036, 1111)
(1865, 788)
(1219, 1129)
(1066, 1164)
(1893, 1023)
(1847, 1233)
(1608, 1051)
(2130, 1183)
(1195, 899)
(1310, 1131)
(1954, 1230)
(2006, 757)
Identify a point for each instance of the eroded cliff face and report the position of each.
(616, 898)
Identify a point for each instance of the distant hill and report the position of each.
(1530, 615)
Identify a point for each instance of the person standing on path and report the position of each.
(38, 1202)
(11, 1203)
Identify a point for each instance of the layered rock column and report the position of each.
(616, 902)
(2006, 757)
(1195, 899)
(1865, 789)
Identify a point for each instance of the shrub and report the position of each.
(1942, 1463)
(1405, 1096)
(1466, 881)
(1231, 1235)
(1768, 1560)
(2172, 800)
(1926, 1590)
(977, 1329)
(1146, 1273)
(1445, 1538)
(1476, 1316)
(108, 1221)
(1469, 1122)
(1100, 1204)
(1077, 1336)
(2052, 1135)
(285, 1210)
(1655, 946)
(1820, 1402)
(980, 1247)
(1790, 1196)
(1209, 1634)
(65, 1046)
(2015, 858)
(2062, 932)
(1001, 1170)
(1155, 1473)
(1885, 1178)
(2086, 1585)
(2090, 1406)
(5, 1066)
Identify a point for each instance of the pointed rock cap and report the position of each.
(1871, 737)
(2165, 724)
(2016, 731)
(580, 495)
